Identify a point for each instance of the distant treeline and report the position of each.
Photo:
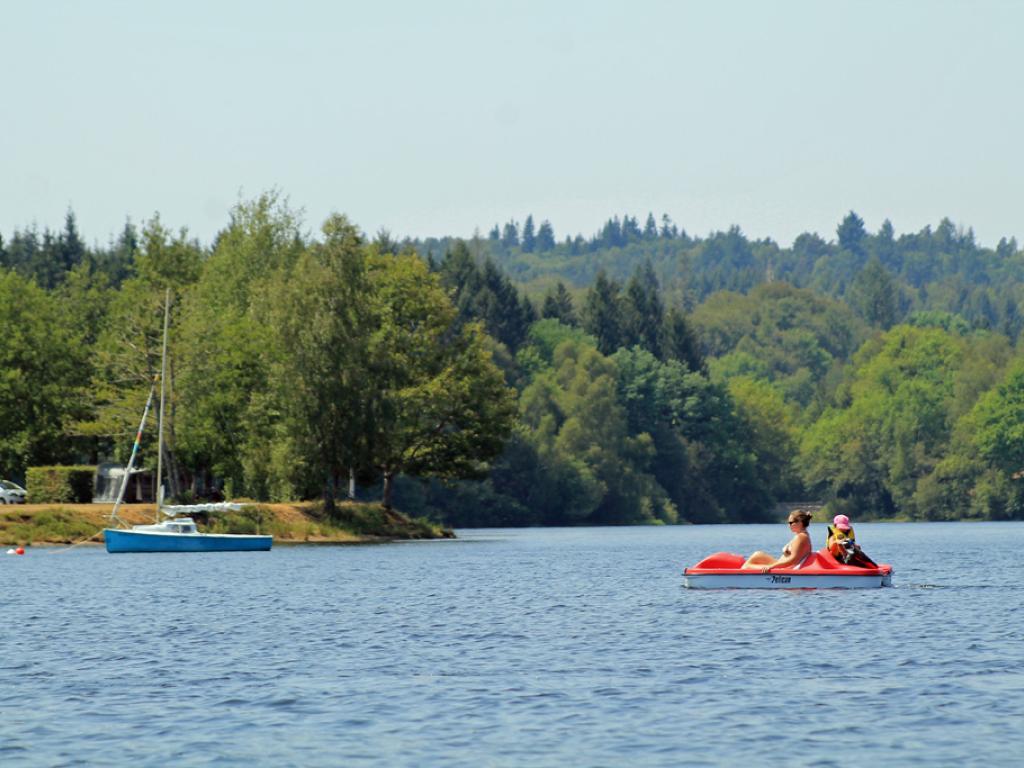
(640, 375)
(884, 278)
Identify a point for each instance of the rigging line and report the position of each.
(75, 544)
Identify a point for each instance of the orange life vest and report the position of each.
(845, 549)
(842, 544)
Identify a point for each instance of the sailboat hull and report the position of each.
(118, 541)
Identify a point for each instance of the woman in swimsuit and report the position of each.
(794, 553)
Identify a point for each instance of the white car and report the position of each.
(11, 493)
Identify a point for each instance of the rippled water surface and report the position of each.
(564, 647)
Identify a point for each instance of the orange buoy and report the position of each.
(19, 551)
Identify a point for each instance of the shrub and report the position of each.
(250, 519)
(56, 485)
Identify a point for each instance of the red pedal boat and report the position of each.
(819, 571)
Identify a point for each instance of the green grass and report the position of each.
(351, 523)
(56, 525)
(372, 520)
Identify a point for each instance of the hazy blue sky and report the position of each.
(437, 117)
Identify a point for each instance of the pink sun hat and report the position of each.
(842, 522)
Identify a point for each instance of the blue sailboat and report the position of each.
(180, 534)
(177, 534)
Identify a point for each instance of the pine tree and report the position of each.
(529, 238)
(118, 259)
(510, 235)
(1006, 248)
(527, 314)
(874, 295)
(486, 294)
(851, 234)
(48, 267)
(602, 313)
(21, 252)
(668, 229)
(1011, 322)
(643, 313)
(680, 342)
(885, 244)
(630, 229)
(545, 237)
(611, 234)
(70, 245)
(558, 305)
(461, 278)
(499, 306)
(650, 228)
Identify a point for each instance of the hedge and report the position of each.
(54, 485)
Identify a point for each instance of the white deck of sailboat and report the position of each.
(184, 526)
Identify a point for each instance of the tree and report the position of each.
(225, 423)
(125, 362)
(726, 260)
(529, 238)
(1006, 248)
(166, 260)
(558, 304)
(510, 235)
(874, 451)
(436, 403)
(595, 470)
(680, 342)
(321, 327)
(630, 229)
(118, 259)
(998, 420)
(43, 377)
(602, 314)
(702, 442)
(486, 294)
(642, 311)
(545, 237)
(70, 245)
(771, 434)
(650, 228)
(127, 354)
(795, 336)
(873, 294)
(851, 234)
(669, 231)
(384, 243)
(885, 245)
(611, 234)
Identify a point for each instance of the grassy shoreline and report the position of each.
(290, 523)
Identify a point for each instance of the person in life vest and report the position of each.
(843, 545)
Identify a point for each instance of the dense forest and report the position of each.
(642, 375)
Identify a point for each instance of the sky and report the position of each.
(444, 117)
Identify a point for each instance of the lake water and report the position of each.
(539, 647)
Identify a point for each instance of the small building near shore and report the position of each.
(109, 477)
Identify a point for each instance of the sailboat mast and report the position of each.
(160, 421)
(131, 459)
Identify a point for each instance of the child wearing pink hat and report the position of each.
(843, 545)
